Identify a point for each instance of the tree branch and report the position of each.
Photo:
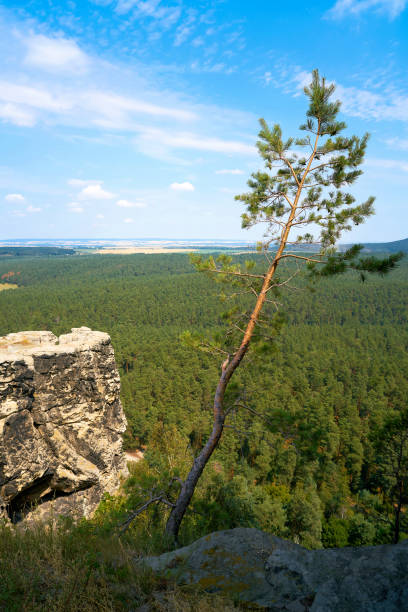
(301, 257)
(152, 500)
(287, 162)
(230, 273)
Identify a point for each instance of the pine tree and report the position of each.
(302, 200)
(295, 194)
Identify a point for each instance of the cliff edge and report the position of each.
(61, 422)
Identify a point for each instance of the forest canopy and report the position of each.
(310, 469)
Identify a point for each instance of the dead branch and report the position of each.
(153, 500)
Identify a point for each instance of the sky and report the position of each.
(138, 118)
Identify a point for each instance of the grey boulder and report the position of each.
(277, 574)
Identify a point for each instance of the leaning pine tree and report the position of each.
(301, 199)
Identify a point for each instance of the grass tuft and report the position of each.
(81, 567)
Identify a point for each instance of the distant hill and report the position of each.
(385, 247)
(34, 251)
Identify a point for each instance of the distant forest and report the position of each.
(313, 468)
(20, 251)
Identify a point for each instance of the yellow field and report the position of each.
(4, 286)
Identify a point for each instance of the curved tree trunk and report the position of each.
(188, 487)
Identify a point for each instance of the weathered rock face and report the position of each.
(60, 423)
(279, 575)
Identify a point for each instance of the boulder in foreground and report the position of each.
(279, 575)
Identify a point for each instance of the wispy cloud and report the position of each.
(387, 164)
(389, 105)
(188, 140)
(33, 209)
(25, 106)
(128, 220)
(386, 103)
(228, 190)
(74, 182)
(75, 207)
(232, 171)
(32, 97)
(160, 16)
(398, 143)
(128, 204)
(185, 29)
(17, 115)
(390, 8)
(109, 98)
(118, 109)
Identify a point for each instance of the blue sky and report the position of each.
(138, 118)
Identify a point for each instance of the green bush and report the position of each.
(335, 532)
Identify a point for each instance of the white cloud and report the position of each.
(388, 104)
(75, 207)
(395, 164)
(186, 140)
(33, 97)
(164, 16)
(267, 77)
(186, 186)
(82, 183)
(112, 96)
(228, 190)
(95, 192)
(128, 220)
(302, 78)
(100, 216)
(185, 29)
(55, 54)
(14, 197)
(18, 213)
(33, 209)
(391, 8)
(233, 171)
(116, 109)
(127, 204)
(397, 143)
(22, 105)
(17, 115)
(183, 32)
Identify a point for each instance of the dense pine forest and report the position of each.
(310, 456)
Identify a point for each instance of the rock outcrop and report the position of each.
(279, 575)
(61, 422)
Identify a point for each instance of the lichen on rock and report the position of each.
(61, 422)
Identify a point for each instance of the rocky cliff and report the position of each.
(60, 423)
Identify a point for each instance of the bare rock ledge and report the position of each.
(275, 574)
(61, 422)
